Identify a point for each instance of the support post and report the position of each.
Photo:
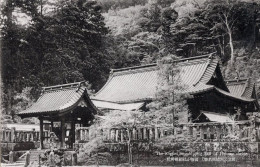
(73, 138)
(156, 133)
(11, 157)
(27, 159)
(62, 132)
(134, 134)
(145, 134)
(122, 131)
(41, 133)
(74, 158)
(13, 138)
(117, 135)
(51, 125)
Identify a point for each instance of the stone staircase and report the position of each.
(12, 165)
(34, 159)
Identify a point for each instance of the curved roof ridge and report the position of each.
(59, 101)
(62, 86)
(236, 80)
(133, 67)
(209, 70)
(155, 64)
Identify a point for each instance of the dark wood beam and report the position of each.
(41, 133)
(72, 132)
(52, 125)
(63, 133)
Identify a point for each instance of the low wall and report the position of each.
(189, 153)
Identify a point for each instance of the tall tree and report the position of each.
(170, 105)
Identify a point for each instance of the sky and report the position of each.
(22, 18)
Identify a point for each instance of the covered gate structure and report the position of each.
(64, 107)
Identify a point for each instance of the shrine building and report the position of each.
(67, 106)
(132, 88)
(63, 107)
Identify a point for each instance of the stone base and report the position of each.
(178, 153)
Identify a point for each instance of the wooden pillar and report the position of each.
(87, 135)
(194, 132)
(134, 133)
(33, 135)
(73, 132)
(22, 134)
(139, 134)
(113, 134)
(151, 134)
(77, 135)
(28, 136)
(41, 133)
(122, 135)
(13, 134)
(7, 136)
(144, 133)
(51, 125)
(17, 137)
(62, 144)
(117, 135)
(37, 136)
(156, 133)
(82, 133)
(3, 135)
(201, 132)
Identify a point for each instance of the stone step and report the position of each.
(20, 162)
(13, 164)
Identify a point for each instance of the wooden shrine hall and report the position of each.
(64, 107)
(137, 86)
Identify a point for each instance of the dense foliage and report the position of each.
(67, 41)
(67, 44)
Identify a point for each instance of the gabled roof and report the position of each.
(59, 99)
(241, 87)
(139, 83)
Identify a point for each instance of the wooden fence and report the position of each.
(241, 131)
(13, 136)
(84, 134)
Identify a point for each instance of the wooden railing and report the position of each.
(145, 133)
(243, 131)
(13, 135)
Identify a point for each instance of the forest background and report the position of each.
(47, 42)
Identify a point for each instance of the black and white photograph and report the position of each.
(130, 83)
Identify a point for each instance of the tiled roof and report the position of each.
(139, 83)
(116, 106)
(241, 87)
(133, 84)
(232, 96)
(136, 84)
(58, 98)
(216, 117)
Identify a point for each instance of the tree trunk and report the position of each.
(229, 31)
(231, 47)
